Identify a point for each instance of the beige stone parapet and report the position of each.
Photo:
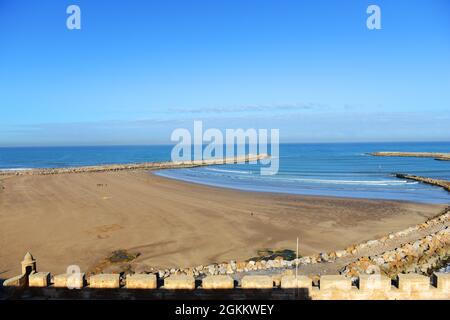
(69, 280)
(104, 281)
(17, 281)
(141, 281)
(218, 282)
(443, 281)
(179, 282)
(333, 293)
(331, 287)
(413, 282)
(374, 282)
(335, 282)
(292, 281)
(28, 266)
(39, 279)
(257, 282)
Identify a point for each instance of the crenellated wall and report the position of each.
(330, 287)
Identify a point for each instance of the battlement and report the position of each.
(330, 287)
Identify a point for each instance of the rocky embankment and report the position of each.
(135, 166)
(435, 155)
(421, 256)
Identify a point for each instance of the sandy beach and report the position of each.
(81, 218)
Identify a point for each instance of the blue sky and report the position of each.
(139, 69)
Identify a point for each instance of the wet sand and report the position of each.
(79, 218)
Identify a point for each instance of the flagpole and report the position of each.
(296, 265)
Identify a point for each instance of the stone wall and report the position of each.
(421, 256)
(330, 287)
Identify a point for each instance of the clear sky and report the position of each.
(139, 69)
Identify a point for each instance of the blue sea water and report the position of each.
(62, 157)
(343, 170)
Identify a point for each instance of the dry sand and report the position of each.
(80, 218)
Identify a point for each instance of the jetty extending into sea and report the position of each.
(138, 166)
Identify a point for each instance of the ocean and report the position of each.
(339, 169)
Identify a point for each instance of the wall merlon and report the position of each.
(413, 282)
(104, 281)
(336, 282)
(141, 281)
(374, 282)
(443, 281)
(218, 282)
(291, 281)
(176, 282)
(39, 279)
(69, 280)
(257, 282)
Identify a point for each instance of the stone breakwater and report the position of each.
(136, 166)
(435, 182)
(435, 155)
